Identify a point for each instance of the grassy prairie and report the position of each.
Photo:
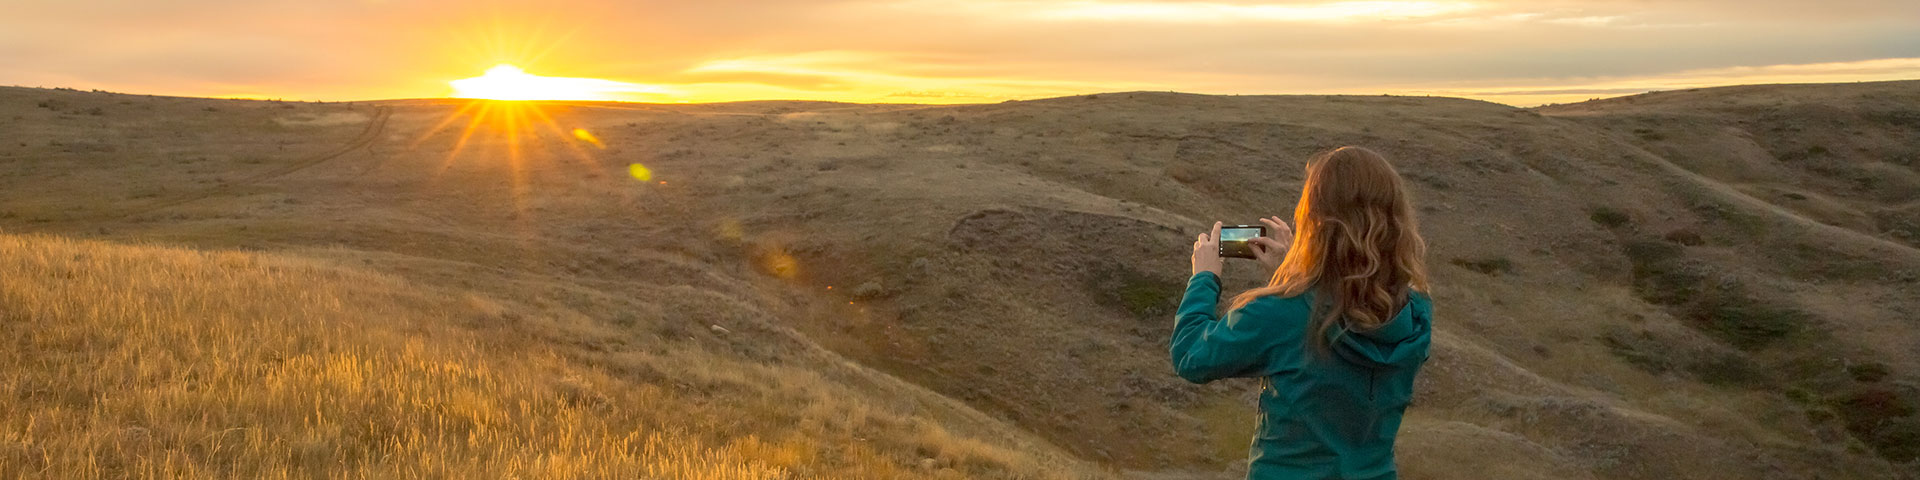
(153, 362)
(1707, 284)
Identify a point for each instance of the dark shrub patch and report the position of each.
(1729, 312)
(1868, 372)
(1882, 418)
(1661, 274)
(1143, 295)
(1901, 225)
(1685, 236)
(1648, 252)
(1800, 395)
(1720, 305)
(1640, 349)
(1608, 216)
(1727, 369)
(1713, 364)
(1897, 439)
(1488, 266)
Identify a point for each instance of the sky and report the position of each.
(1520, 53)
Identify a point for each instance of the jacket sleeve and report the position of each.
(1206, 348)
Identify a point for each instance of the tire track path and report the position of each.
(375, 127)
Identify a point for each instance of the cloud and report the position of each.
(1206, 12)
(1535, 91)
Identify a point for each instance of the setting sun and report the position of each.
(508, 82)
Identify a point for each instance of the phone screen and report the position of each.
(1233, 240)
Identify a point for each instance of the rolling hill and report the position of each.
(1712, 283)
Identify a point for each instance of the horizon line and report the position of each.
(1622, 93)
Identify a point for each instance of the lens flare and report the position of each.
(780, 264)
(586, 136)
(640, 172)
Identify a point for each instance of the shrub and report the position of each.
(1720, 305)
(1685, 236)
(1728, 369)
(1609, 216)
(1729, 312)
(1141, 294)
(1903, 225)
(1640, 350)
(1712, 364)
(1715, 211)
(1883, 418)
(1661, 274)
(1868, 372)
(1488, 266)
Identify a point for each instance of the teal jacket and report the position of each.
(1329, 416)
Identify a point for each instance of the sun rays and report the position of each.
(508, 82)
(511, 124)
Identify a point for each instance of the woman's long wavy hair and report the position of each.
(1356, 245)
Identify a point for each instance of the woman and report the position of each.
(1337, 335)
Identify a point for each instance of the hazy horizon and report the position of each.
(983, 102)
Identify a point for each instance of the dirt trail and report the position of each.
(375, 127)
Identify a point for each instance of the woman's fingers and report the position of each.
(1267, 246)
(1277, 228)
(1216, 231)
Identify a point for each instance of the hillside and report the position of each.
(1672, 285)
(138, 361)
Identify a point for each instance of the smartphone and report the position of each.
(1234, 239)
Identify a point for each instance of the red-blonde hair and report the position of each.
(1356, 245)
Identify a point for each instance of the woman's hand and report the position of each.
(1206, 251)
(1270, 250)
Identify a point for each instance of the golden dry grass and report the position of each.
(150, 362)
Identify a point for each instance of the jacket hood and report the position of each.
(1401, 342)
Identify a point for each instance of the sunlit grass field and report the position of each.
(149, 362)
